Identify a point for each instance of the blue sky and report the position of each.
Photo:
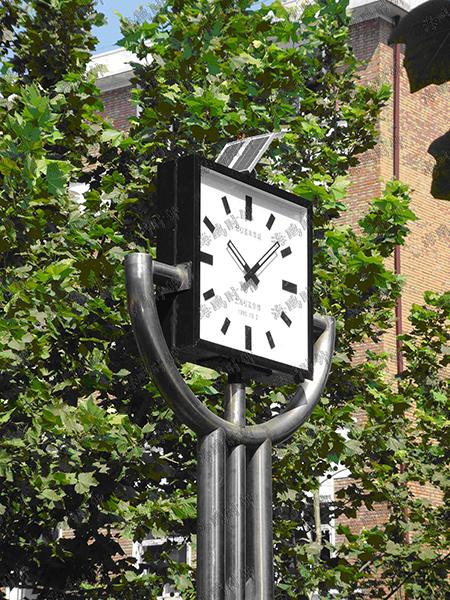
(110, 33)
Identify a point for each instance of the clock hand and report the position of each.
(241, 260)
(238, 255)
(264, 258)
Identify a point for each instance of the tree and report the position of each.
(86, 439)
(68, 457)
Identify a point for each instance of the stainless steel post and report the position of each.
(259, 524)
(215, 432)
(210, 517)
(235, 533)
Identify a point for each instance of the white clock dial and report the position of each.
(253, 271)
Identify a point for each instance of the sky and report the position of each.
(110, 33)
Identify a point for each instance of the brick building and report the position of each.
(421, 118)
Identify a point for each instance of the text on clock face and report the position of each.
(223, 230)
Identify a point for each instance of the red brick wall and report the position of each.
(425, 258)
(365, 518)
(118, 107)
(423, 117)
(365, 178)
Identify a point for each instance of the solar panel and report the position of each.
(245, 154)
(251, 154)
(230, 152)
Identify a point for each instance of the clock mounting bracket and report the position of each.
(159, 361)
(172, 278)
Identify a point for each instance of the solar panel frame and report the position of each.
(244, 155)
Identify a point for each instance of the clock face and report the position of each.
(253, 293)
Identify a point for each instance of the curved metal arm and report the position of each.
(159, 362)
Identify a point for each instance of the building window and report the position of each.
(19, 594)
(148, 554)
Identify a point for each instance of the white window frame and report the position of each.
(19, 594)
(138, 552)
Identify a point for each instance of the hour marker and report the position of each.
(289, 287)
(248, 208)
(226, 205)
(206, 258)
(248, 337)
(209, 294)
(286, 319)
(270, 339)
(208, 224)
(270, 222)
(286, 252)
(225, 326)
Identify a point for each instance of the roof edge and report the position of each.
(388, 10)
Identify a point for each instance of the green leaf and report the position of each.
(84, 482)
(6, 415)
(57, 177)
(113, 136)
(49, 494)
(212, 62)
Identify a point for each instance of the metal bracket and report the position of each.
(172, 278)
(190, 409)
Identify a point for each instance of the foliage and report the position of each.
(74, 449)
(86, 440)
(213, 71)
(395, 450)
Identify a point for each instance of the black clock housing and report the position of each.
(178, 241)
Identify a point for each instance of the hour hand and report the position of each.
(238, 256)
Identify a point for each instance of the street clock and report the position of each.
(249, 247)
(234, 280)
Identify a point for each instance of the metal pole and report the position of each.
(210, 517)
(235, 534)
(255, 518)
(259, 524)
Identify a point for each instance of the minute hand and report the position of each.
(241, 260)
(264, 258)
